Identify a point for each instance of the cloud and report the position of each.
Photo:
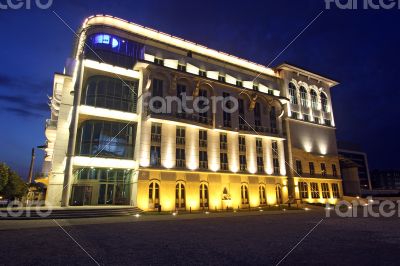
(25, 84)
(22, 106)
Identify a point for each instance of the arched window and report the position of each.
(180, 196)
(154, 195)
(314, 100)
(292, 93)
(272, 119)
(203, 196)
(324, 102)
(262, 195)
(245, 194)
(303, 97)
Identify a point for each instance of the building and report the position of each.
(386, 179)
(118, 133)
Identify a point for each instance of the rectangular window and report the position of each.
(323, 169)
(157, 91)
(224, 161)
(303, 189)
(255, 87)
(259, 146)
(328, 122)
(325, 190)
(159, 61)
(335, 190)
(306, 118)
(155, 133)
(295, 115)
(223, 141)
(257, 115)
(226, 116)
(316, 120)
(312, 168)
(242, 144)
(180, 91)
(314, 190)
(221, 78)
(180, 136)
(242, 123)
(275, 162)
(203, 73)
(182, 68)
(243, 162)
(203, 160)
(155, 155)
(274, 146)
(239, 83)
(299, 167)
(180, 158)
(334, 171)
(203, 138)
(260, 164)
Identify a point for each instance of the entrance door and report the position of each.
(278, 194)
(81, 195)
(203, 196)
(180, 196)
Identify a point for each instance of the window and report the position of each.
(328, 122)
(295, 115)
(241, 114)
(180, 136)
(292, 93)
(303, 97)
(314, 100)
(202, 73)
(155, 133)
(202, 104)
(154, 194)
(239, 83)
(257, 115)
(181, 94)
(182, 68)
(180, 196)
(203, 138)
(203, 196)
(224, 161)
(255, 87)
(324, 102)
(334, 171)
(243, 162)
(157, 92)
(180, 158)
(274, 145)
(262, 195)
(325, 190)
(226, 116)
(242, 144)
(275, 162)
(314, 190)
(155, 155)
(221, 78)
(303, 190)
(111, 93)
(335, 190)
(245, 194)
(272, 118)
(203, 160)
(113, 50)
(306, 117)
(323, 169)
(260, 164)
(316, 120)
(299, 168)
(106, 139)
(223, 141)
(259, 146)
(159, 61)
(312, 168)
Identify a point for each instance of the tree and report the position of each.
(11, 185)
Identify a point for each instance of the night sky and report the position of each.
(359, 48)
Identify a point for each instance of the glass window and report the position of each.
(335, 190)
(111, 93)
(334, 171)
(224, 161)
(202, 138)
(325, 190)
(272, 118)
(299, 168)
(155, 133)
(155, 155)
(314, 190)
(203, 160)
(106, 139)
(324, 102)
(323, 169)
(260, 164)
(303, 97)
(226, 116)
(223, 141)
(303, 189)
(180, 135)
(245, 194)
(262, 195)
(203, 196)
(292, 93)
(312, 168)
(242, 144)
(243, 162)
(314, 100)
(180, 158)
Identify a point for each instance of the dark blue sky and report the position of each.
(359, 48)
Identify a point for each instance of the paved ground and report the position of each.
(216, 239)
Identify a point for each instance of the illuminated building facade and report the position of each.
(106, 145)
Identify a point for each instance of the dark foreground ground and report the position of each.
(234, 239)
